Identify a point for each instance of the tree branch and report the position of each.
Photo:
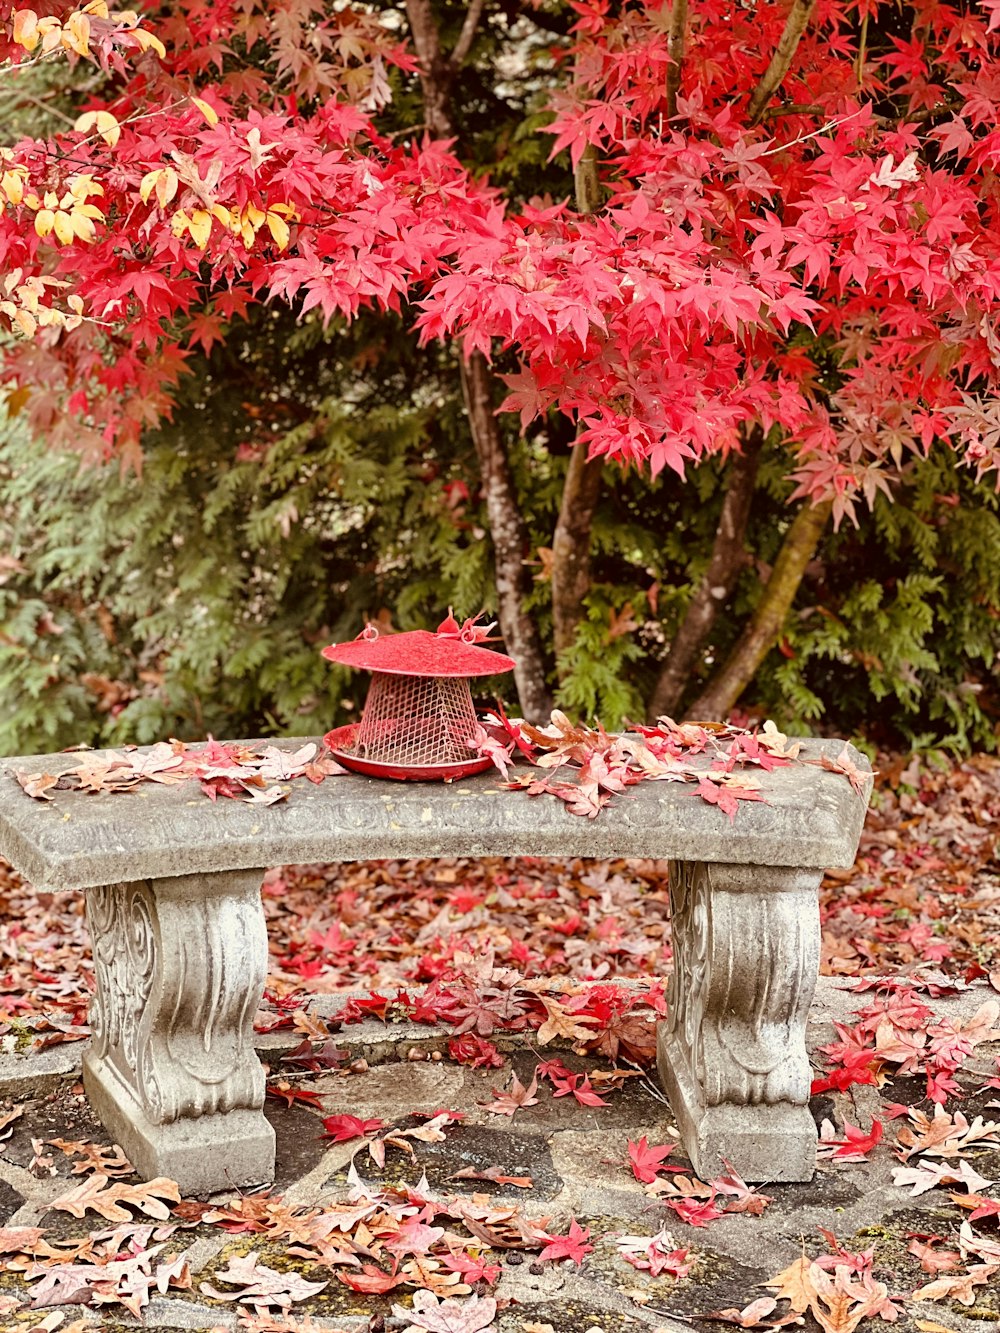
(510, 540)
(675, 50)
(795, 26)
(765, 624)
(582, 486)
(571, 544)
(587, 182)
(507, 526)
(466, 37)
(716, 584)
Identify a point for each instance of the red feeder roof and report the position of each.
(418, 652)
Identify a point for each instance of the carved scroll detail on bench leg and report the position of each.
(732, 1050)
(180, 966)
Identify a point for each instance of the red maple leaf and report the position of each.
(468, 1049)
(285, 1092)
(696, 1212)
(646, 1159)
(574, 1245)
(855, 1145)
(343, 1128)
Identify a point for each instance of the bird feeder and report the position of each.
(418, 722)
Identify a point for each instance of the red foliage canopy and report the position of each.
(811, 243)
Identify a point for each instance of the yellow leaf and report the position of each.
(13, 186)
(32, 201)
(82, 187)
(44, 221)
(223, 215)
(254, 215)
(28, 298)
(76, 34)
(82, 226)
(180, 222)
(96, 7)
(26, 322)
(63, 228)
(51, 199)
(108, 128)
(166, 186)
(50, 30)
(16, 400)
(278, 228)
(147, 42)
(148, 184)
(200, 227)
(26, 29)
(209, 112)
(75, 303)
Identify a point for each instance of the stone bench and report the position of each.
(173, 882)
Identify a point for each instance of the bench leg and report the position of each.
(172, 1072)
(732, 1052)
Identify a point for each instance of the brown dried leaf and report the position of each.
(150, 1197)
(110, 1162)
(957, 1286)
(38, 785)
(262, 1286)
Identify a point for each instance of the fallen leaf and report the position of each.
(261, 1286)
(150, 1197)
(431, 1315)
(515, 1098)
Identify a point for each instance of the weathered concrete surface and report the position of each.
(810, 817)
(576, 1158)
(180, 965)
(732, 1053)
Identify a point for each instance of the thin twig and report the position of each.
(859, 62)
(38, 101)
(830, 125)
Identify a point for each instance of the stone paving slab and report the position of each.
(574, 1155)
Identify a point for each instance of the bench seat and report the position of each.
(172, 885)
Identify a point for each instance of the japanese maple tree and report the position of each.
(784, 227)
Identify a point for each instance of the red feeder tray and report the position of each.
(342, 741)
(419, 717)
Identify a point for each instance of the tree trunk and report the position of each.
(582, 487)
(507, 528)
(717, 582)
(764, 626)
(510, 540)
(571, 544)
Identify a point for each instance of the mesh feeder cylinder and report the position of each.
(418, 720)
